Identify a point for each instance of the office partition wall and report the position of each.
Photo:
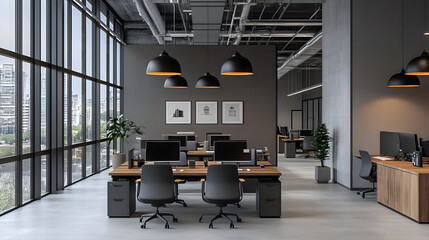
(60, 73)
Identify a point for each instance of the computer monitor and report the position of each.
(284, 131)
(162, 151)
(408, 142)
(305, 132)
(231, 151)
(221, 137)
(211, 133)
(389, 143)
(180, 138)
(424, 143)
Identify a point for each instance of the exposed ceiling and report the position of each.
(294, 26)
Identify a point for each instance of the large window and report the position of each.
(74, 93)
(7, 106)
(7, 24)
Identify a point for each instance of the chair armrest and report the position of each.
(202, 180)
(139, 180)
(241, 180)
(179, 180)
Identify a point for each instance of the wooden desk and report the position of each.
(268, 187)
(201, 154)
(404, 188)
(290, 146)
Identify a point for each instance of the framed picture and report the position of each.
(206, 112)
(232, 112)
(178, 112)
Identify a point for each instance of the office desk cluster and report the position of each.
(404, 188)
(122, 194)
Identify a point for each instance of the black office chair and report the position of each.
(307, 145)
(368, 171)
(183, 162)
(156, 188)
(222, 187)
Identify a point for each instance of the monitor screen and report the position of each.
(163, 151)
(389, 143)
(424, 143)
(305, 132)
(408, 142)
(231, 151)
(214, 138)
(211, 133)
(181, 139)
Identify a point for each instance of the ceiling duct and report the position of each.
(243, 18)
(148, 20)
(312, 47)
(203, 22)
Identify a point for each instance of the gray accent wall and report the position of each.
(145, 97)
(377, 52)
(336, 75)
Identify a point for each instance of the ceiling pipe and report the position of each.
(268, 35)
(286, 22)
(146, 17)
(312, 47)
(243, 18)
(156, 16)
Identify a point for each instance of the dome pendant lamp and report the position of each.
(419, 65)
(401, 79)
(163, 65)
(175, 81)
(207, 81)
(237, 65)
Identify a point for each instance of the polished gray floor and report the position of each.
(310, 211)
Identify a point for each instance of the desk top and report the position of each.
(200, 153)
(201, 171)
(403, 165)
(293, 140)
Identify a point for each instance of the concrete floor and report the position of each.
(310, 211)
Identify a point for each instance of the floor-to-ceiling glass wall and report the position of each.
(59, 74)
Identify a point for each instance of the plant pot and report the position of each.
(322, 174)
(118, 159)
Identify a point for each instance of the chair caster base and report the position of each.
(231, 225)
(167, 226)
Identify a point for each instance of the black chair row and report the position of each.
(158, 188)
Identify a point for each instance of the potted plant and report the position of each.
(321, 147)
(118, 128)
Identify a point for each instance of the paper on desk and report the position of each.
(384, 158)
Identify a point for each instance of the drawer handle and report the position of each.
(118, 200)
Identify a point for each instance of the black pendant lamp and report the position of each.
(175, 81)
(403, 80)
(207, 81)
(237, 65)
(163, 65)
(419, 65)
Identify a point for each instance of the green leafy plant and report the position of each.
(122, 128)
(321, 143)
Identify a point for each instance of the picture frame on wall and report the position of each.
(232, 112)
(178, 112)
(206, 112)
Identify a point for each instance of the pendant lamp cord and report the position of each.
(402, 32)
(207, 54)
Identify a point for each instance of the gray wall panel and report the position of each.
(144, 95)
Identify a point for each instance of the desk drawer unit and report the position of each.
(268, 198)
(121, 198)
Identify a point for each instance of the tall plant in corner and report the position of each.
(321, 147)
(118, 128)
(121, 127)
(321, 143)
